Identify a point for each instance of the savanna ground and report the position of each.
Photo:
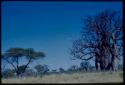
(77, 77)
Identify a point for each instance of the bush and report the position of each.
(85, 65)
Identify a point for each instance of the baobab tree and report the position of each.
(14, 55)
(101, 40)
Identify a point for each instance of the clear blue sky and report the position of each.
(49, 27)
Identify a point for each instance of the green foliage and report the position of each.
(15, 52)
(20, 52)
(30, 53)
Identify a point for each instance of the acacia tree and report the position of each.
(101, 40)
(14, 55)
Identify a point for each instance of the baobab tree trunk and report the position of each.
(101, 66)
(114, 63)
(115, 55)
(96, 65)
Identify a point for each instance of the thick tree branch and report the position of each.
(30, 60)
(10, 63)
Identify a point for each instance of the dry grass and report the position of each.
(97, 77)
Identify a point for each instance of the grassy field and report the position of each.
(78, 77)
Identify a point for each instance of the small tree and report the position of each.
(73, 68)
(41, 69)
(61, 70)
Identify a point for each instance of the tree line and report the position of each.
(41, 70)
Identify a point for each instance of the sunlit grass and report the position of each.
(78, 77)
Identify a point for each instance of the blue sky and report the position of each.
(49, 27)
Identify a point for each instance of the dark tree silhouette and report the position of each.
(101, 39)
(41, 69)
(13, 55)
(73, 68)
(61, 70)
